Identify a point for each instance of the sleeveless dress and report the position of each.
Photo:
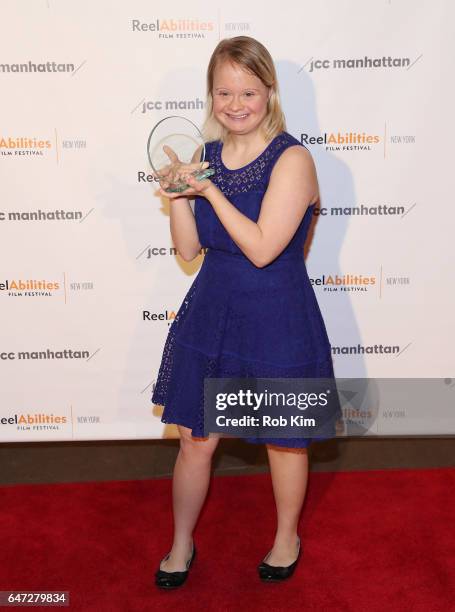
(238, 320)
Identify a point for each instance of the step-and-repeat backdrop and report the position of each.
(89, 279)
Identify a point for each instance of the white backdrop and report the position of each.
(89, 283)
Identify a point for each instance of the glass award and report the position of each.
(175, 147)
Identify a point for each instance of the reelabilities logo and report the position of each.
(28, 288)
(20, 145)
(342, 141)
(167, 315)
(23, 420)
(174, 28)
(347, 282)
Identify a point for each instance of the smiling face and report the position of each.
(239, 98)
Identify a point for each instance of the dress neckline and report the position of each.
(226, 169)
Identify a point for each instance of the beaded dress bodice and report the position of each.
(244, 188)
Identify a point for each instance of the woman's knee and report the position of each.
(201, 448)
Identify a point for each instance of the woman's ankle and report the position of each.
(286, 540)
(183, 543)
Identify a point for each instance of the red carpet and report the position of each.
(377, 540)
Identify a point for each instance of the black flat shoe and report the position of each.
(172, 580)
(276, 573)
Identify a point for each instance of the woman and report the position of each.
(251, 310)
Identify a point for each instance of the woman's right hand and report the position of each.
(176, 171)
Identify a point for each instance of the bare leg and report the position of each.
(289, 472)
(190, 484)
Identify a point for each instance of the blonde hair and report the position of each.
(251, 55)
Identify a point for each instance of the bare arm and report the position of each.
(183, 229)
(183, 224)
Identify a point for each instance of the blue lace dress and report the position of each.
(238, 320)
